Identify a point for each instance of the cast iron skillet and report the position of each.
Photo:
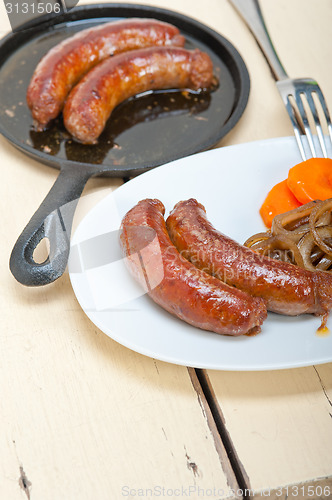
(143, 132)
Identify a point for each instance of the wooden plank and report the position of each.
(4, 23)
(279, 423)
(82, 415)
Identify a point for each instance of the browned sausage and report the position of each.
(286, 288)
(92, 101)
(178, 286)
(65, 64)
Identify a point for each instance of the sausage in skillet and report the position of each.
(65, 64)
(92, 101)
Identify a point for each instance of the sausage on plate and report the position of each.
(177, 285)
(65, 64)
(285, 288)
(92, 101)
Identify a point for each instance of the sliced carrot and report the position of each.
(279, 200)
(310, 180)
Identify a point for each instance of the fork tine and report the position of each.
(322, 101)
(318, 126)
(298, 99)
(310, 117)
(314, 111)
(306, 94)
(295, 124)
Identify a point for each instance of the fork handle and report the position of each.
(252, 15)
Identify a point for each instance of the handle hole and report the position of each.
(42, 251)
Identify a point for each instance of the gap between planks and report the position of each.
(229, 460)
(216, 422)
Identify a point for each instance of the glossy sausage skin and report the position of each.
(285, 288)
(176, 285)
(66, 63)
(92, 101)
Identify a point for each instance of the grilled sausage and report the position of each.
(65, 64)
(285, 288)
(92, 101)
(178, 286)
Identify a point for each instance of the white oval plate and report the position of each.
(231, 183)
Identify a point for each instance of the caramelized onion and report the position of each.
(281, 221)
(257, 238)
(302, 236)
(316, 214)
(281, 247)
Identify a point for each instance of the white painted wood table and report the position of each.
(83, 417)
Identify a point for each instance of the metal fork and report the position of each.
(297, 94)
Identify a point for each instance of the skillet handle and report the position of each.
(52, 220)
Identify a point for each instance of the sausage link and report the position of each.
(285, 288)
(176, 285)
(92, 101)
(65, 64)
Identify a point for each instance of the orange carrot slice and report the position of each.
(279, 200)
(310, 180)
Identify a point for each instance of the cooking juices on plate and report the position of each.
(79, 77)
